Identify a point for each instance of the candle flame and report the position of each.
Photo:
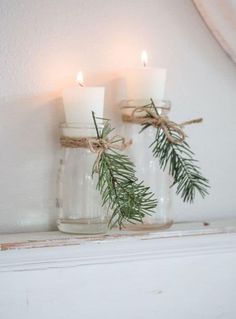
(80, 78)
(144, 58)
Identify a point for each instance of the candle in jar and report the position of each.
(80, 101)
(144, 83)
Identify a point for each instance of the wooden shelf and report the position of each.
(58, 239)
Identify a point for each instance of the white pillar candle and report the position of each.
(144, 83)
(79, 102)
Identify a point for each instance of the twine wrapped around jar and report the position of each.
(157, 120)
(96, 145)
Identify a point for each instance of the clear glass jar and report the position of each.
(79, 202)
(148, 169)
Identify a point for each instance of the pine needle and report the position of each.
(181, 163)
(121, 192)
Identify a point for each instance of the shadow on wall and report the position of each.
(29, 140)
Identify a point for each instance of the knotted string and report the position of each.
(96, 145)
(161, 121)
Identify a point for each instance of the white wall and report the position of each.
(42, 45)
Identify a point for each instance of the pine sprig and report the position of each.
(179, 159)
(127, 198)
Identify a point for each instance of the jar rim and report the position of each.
(78, 125)
(159, 103)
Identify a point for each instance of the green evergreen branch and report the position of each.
(178, 158)
(121, 192)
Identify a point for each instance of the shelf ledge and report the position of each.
(58, 239)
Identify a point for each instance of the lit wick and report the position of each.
(144, 58)
(80, 79)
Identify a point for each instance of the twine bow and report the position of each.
(96, 145)
(99, 146)
(161, 121)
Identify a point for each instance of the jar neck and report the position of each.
(163, 106)
(80, 129)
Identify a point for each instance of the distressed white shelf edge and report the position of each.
(57, 250)
(56, 238)
(187, 271)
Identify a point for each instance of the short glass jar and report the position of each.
(79, 202)
(147, 166)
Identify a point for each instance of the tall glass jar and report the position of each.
(147, 167)
(79, 202)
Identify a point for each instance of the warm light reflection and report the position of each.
(80, 78)
(144, 58)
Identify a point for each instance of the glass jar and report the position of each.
(79, 202)
(147, 167)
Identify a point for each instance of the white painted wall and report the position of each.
(42, 45)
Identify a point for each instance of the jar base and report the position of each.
(82, 226)
(149, 227)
